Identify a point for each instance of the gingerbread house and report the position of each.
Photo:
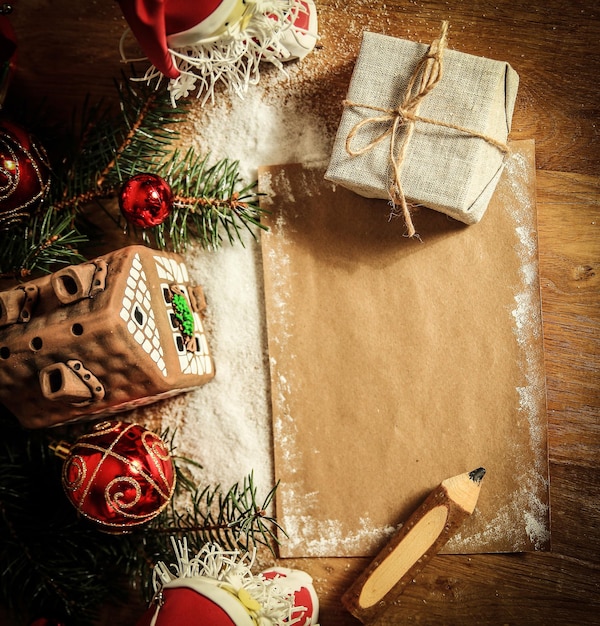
(123, 330)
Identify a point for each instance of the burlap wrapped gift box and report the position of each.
(448, 170)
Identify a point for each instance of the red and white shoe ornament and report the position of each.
(299, 584)
(196, 45)
(300, 38)
(217, 588)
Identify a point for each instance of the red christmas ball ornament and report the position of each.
(120, 475)
(146, 200)
(24, 174)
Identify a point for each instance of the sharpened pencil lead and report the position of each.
(477, 474)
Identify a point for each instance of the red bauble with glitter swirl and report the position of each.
(120, 475)
(146, 200)
(24, 174)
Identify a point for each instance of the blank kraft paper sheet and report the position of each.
(397, 363)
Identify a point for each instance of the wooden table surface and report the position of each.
(68, 49)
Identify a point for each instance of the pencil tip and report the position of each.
(477, 474)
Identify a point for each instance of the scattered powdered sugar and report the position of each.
(528, 324)
(263, 128)
(226, 424)
(525, 506)
(317, 537)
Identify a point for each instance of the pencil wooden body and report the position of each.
(420, 538)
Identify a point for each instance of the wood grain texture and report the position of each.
(69, 49)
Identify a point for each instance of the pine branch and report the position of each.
(235, 519)
(48, 240)
(52, 564)
(60, 566)
(211, 203)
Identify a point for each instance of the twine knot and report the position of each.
(426, 76)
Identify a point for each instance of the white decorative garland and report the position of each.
(232, 57)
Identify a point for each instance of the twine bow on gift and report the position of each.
(426, 76)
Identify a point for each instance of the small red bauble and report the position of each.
(24, 174)
(120, 475)
(146, 200)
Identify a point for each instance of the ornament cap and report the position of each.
(61, 449)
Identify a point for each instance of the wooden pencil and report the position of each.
(420, 538)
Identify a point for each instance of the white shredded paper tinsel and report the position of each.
(233, 58)
(231, 571)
